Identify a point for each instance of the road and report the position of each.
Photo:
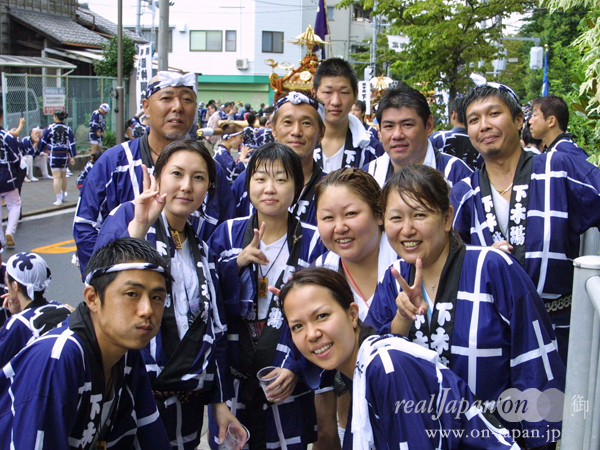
(51, 236)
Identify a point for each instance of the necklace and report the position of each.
(504, 191)
(176, 238)
(157, 154)
(353, 283)
(263, 281)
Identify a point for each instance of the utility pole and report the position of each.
(119, 109)
(374, 43)
(163, 35)
(138, 27)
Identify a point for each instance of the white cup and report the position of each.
(237, 436)
(264, 380)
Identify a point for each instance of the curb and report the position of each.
(49, 209)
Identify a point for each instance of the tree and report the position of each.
(588, 43)
(107, 66)
(447, 38)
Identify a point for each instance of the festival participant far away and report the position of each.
(388, 375)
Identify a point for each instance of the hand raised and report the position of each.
(148, 206)
(252, 253)
(410, 301)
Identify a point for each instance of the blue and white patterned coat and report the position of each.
(563, 202)
(117, 178)
(9, 162)
(62, 409)
(294, 418)
(199, 362)
(23, 328)
(453, 168)
(493, 332)
(59, 139)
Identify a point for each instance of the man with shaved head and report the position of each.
(169, 103)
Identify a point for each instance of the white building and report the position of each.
(228, 41)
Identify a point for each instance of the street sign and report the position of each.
(364, 94)
(54, 99)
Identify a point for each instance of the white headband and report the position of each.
(29, 270)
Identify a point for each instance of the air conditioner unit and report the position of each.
(241, 64)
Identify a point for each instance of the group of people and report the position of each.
(396, 292)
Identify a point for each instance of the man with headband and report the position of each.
(85, 385)
(169, 104)
(98, 127)
(27, 278)
(531, 206)
(296, 123)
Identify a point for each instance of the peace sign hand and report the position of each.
(148, 206)
(410, 301)
(252, 253)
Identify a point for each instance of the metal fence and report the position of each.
(23, 96)
(581, 422)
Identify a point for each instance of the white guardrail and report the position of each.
(581, 422)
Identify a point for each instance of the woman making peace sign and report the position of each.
(256, 252)
(475, 306)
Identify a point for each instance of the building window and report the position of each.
(147, 34)
(330, 12)
(361, 14)
(206, 41)
(272, 42)
(230, 41)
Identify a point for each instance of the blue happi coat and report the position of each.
(489, 326)
(557, 200)
(9, 162)
(294, 418)
(62, 409)
(97, 123)
(59, 139)
(231, 167)
(38, 318)
(117, 178)
(403, 397)
(456, 142)
(304, 209)
(453, 168)
(187, 373)
(360, 147)
(564, 143)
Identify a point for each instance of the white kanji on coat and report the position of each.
(520, 191)
(439, 340)
(490, 218)
(444, 312)
(488, 203)
(518, 213)
(421, 339)
(420, 320)
(275, 318)
(517, 235)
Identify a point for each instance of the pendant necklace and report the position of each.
(263, 281)
(176, 238)
(504, 191)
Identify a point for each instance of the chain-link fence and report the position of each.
(36, 97)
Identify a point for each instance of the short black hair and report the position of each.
(336, 67)
(484, 91)
(361, 105)
(552, 105)
(404, 97)
(270, 153)
(457, 106)
(122, 250)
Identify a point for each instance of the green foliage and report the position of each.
(446, 38)
(109, 139)
(107, 66)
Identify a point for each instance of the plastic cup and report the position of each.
(263, 380)
(237, 436)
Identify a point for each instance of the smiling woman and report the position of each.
(186, 374)
(386, 373)
(458, 300)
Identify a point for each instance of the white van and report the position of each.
(20, 102)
